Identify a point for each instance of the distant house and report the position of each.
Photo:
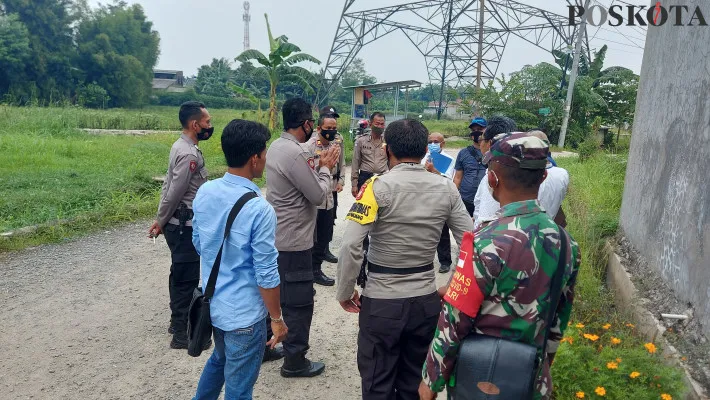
(451, 109)
(169, 81)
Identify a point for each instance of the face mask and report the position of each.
(205, 133)
(377, 130)
(434, 148)
(476, 136)
(308, 134)
(329, 134)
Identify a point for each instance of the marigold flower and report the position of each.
(600, 391)
(630, 325)
(665, 396)
(566, 339)
(618, 360)
(607, 326)
(579, 326)
(650, 347)
(615, 340)
(579, 395)
(591, 337)
(612, 365)
(634, 375)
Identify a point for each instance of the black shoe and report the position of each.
(330, 257)
(272, 354)
(322, 279)
(171, 330)
(444, 269)
(309, 370)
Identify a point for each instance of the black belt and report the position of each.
(399, 271)
(190, 214)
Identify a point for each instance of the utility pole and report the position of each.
(481, 18)
(246, 18)
(573, 76)
(446, 58)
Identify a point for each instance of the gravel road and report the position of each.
(88, 318)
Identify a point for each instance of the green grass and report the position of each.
(69, 182)
(592, 206)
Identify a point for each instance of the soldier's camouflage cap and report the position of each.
(518, 150)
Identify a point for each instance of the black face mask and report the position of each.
(377, 130)
(329, 134)
(205, 133)
(476, 135)
(308, 134)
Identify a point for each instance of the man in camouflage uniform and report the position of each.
(514, 260)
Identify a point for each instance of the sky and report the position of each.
(192, 33)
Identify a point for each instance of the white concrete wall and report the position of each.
(666, 206)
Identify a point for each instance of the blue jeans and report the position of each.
(235, 363)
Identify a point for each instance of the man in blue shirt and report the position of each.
(248, 282)
(469, 168)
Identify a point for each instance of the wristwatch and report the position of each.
(278, 319)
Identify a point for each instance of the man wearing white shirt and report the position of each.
(435, 157)
(551, 194)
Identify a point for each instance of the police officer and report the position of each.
(327, 136)
(404, 211)
(338, 180)
(296, 185)
(369, 156)
(513, 263)
(186, 173)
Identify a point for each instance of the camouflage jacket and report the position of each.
(515, 259)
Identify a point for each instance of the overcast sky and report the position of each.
(193, 32)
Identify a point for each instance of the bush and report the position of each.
(588, 149)
(175, 99)
(92, 96)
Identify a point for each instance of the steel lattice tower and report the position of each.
(462, 41)
(247, 19)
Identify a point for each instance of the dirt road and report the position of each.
(87, 319)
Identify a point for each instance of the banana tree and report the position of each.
(280, 66)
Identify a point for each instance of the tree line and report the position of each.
(63, 51)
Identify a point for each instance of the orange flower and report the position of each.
(607, 326)
(618, 360)
(612, 365)
(566, 339)
(579, 395)
(600, 391)
(650, 347)
(634, 375)
(665, 396)
(591, 337)
(615, 340)
(579, 326)
(630, 325)
(684, 358)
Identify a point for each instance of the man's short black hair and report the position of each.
(377, 114)
(407, 138)
(295, 112)
(242, 139)
(519, 178)
(323, 117)
(498, 125)
(189, 111)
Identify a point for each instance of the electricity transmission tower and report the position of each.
(247, 18)
(461, 40)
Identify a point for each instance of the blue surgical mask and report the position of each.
(434, 148)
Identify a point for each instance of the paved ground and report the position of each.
(87, 320)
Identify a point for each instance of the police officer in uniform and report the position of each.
(404, 211)
(369, 156)
(186, 173)
(338, 180)
(296, 185)
(326, 137)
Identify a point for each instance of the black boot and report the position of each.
(272, 354)
(330, 257)
(301, 367)
(322, 279)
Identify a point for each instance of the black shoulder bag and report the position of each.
(199, 322)
(494, 368)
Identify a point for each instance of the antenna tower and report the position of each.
(247, 19)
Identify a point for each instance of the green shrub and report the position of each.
(92, 96)
(588, 149)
